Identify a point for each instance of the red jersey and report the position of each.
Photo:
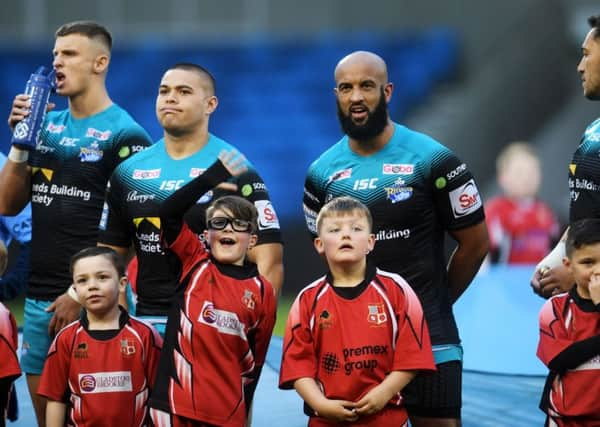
(571, 395)
(9, 341)
(217, 336)
(521, 232)
(349, 339)
(108, 374)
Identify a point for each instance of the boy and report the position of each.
(357, 336)
(570, 335)
(522, 228)
(220, 323)
(104, 363)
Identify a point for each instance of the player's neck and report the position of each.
(373, 145)
(183, 145)
(104, 321)
(92, 101)
(348, 275)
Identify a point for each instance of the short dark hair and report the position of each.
(343, 205)
(90, 29)
(594, 22)
(115, 259)
(582, 233)
(189, 66)
(240, 209)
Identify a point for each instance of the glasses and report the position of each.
(220, 222)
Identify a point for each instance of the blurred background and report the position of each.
(475, 75)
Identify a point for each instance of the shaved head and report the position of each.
(362, 60)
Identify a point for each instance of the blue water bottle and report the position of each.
(39, 86)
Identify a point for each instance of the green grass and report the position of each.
(283, 307)
(16, 308)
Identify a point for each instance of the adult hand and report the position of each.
(20, 109)
(551, 281)
(65, 310)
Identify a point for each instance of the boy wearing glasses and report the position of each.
(223, 314)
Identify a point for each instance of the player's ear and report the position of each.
(371, 243)
(252, 241)
(123, 284)
(566, 262)
(319, 246)
(101, 63)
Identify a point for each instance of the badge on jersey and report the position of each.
(465, 199)
(377, 314)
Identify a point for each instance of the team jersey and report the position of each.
(584, 176)
(571, 396)
(415, 189)
(521, 231)
(139, 186)
(104, 376)
(217, 337)
(70, 169)
(349, 343)
(9, 339)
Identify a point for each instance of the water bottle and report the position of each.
(39, 86)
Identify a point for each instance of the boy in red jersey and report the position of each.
(522, 228)
(104, 363)
(357, 336)
(570, 335)
(221, 320)
(9, 368)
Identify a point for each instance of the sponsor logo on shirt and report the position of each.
(311, 219)
(134, 196)
(465, 199)
(456, 172)
(226, 322)
(196, 172)
(248, 189)
(398, 169)
(52, 128)
(146, 173)
(377, 314)
(91, 153)
(98, 134)
(149, 242)
(362, 353)
(44, 149)
(249, 299)
(68, 142)
(206, 197)
(330, 363)
(81, 352)
(392, 234)
(43, 193)
(105, 382)
(398, 192)
(325, 320)
(339, 175)
(365, 184)
(267, 218)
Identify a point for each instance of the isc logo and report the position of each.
(171, 184)
(365, 184)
